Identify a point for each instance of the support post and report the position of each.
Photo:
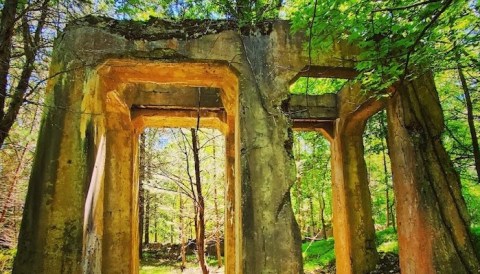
(354, 230)
(120, 231)
(230, 222)
(433, 222)
(51, 234)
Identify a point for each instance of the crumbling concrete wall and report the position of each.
(81, 205)
(81, 209)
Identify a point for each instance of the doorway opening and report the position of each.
(170, 199)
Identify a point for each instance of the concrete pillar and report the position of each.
(51, 233)
(353, 226)
(120, 219)
(433, 222)
(230, 222)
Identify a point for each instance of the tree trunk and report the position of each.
(471, 121)
(200, 223)
(7, 25)
(385, 169)
(20, 166)
(146, 238)
(433, 223)
(31, 47)
(183, 247)
(322, 215)
(155, 223)
(217, 213)
(312, 219)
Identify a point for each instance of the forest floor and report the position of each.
(318, 256)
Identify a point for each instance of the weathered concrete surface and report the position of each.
(51, 231)
(313, 107)
(354, 231)
(432, 217)
(109, 83)
(83, 193)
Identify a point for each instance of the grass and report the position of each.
(387, 240)
(320, 254)
(153, 266)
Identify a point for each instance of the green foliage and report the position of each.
(312, 190)
(316, 86)
(245, 12)
(379, 169)
(471, 194)
(6, 259)
(387, 240)
(476, 239)
(394, 36)
(321, 253)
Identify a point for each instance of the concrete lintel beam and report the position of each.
(348, 73)
(313, 107)
(173, 96)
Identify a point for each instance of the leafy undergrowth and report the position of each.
(6, 259)
(476, 239)
(319, 256)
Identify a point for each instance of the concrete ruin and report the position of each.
(111, 79)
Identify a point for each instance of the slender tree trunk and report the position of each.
(392, 212)
(155, 223)
(182, 234)
(299, 204)
(200, 218)
(217, 213)
(13, 184)
(385, 169)
(147, 219)
(322, 215)
(471, 121)
(312, 219)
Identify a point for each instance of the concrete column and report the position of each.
(433, 221)
(230, 258)
(120, 245)
(353, 226)
(51, 233)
